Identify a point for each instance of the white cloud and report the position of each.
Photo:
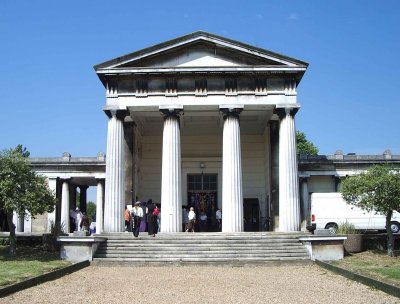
(292, 16)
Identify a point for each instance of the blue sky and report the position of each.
(51, 98)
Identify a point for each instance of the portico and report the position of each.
(203, 99)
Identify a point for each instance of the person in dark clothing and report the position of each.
(150, 217)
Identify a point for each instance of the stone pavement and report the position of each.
(201, 284)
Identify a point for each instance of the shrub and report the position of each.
(346, 228)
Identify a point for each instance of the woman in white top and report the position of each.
(192, 220)
(137, 215)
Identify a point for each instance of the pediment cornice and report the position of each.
(260, 57)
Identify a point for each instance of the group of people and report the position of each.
(78, 221)
(143, 218)
(147, 217)
(189, 221)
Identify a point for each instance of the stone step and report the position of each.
(203, 261)
(177, 243)
(202, 240)
(194, 251)
(197, 236)
(202, 253)
(201, 248)
(203, 256)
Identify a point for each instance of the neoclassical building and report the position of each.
(205, 121)
(202, 121)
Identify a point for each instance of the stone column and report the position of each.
(115, 177)
(289, 213)
(232, 193)
(99, 206)
(28, 222)
(129, 166)
(83, 198)
(338, 184)
(171, 193)
(51, 217)
(20, 223)
(65, 205)
(305, 206)
(72, 196)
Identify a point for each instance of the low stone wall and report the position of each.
(324, 248)
(79, 248)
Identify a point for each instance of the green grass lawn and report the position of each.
(29, 262)
(373, 264)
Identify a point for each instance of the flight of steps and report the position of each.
(202, 248)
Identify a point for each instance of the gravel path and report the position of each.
(201, 284)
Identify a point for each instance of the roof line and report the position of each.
(197, 34)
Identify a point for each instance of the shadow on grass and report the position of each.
(25, 253)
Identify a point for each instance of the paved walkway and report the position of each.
(201, 284)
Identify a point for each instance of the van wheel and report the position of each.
(395, 227)
(332, 227)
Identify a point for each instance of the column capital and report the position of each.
(231, 111)
(304, 179)
(289, 110)
(118, 113)
(83, 187)
(171, 112)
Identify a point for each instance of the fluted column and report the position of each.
(289, 201)
(115, 179)
(171, 193)
(99, 206)
(51, 216)
(65, 205)
(232, 195)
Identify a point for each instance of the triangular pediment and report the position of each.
(200, 49)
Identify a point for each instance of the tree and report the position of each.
(22, 190)
(305, 146)
(377, 190)
(91, 210)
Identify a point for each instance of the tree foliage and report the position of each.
(22, 190)
(91, 210)
(305, 146)
(377, 190)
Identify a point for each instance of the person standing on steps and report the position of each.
(127, 216)
(78, 219)
(192, 220)
(218, 217)
(203, 221)
(85, 223)
(137, 215)
(156, 213)
(150, 218)
(185, 219)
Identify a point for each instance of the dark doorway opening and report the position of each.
(251, 211)
(202, 195)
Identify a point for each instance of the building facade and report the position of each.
(202, 107)
(202, 121)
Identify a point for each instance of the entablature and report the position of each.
(200, 85)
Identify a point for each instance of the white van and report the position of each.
(328, 210)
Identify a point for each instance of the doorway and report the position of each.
(202, 195)
(251, 211)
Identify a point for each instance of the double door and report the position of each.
(202, 195)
